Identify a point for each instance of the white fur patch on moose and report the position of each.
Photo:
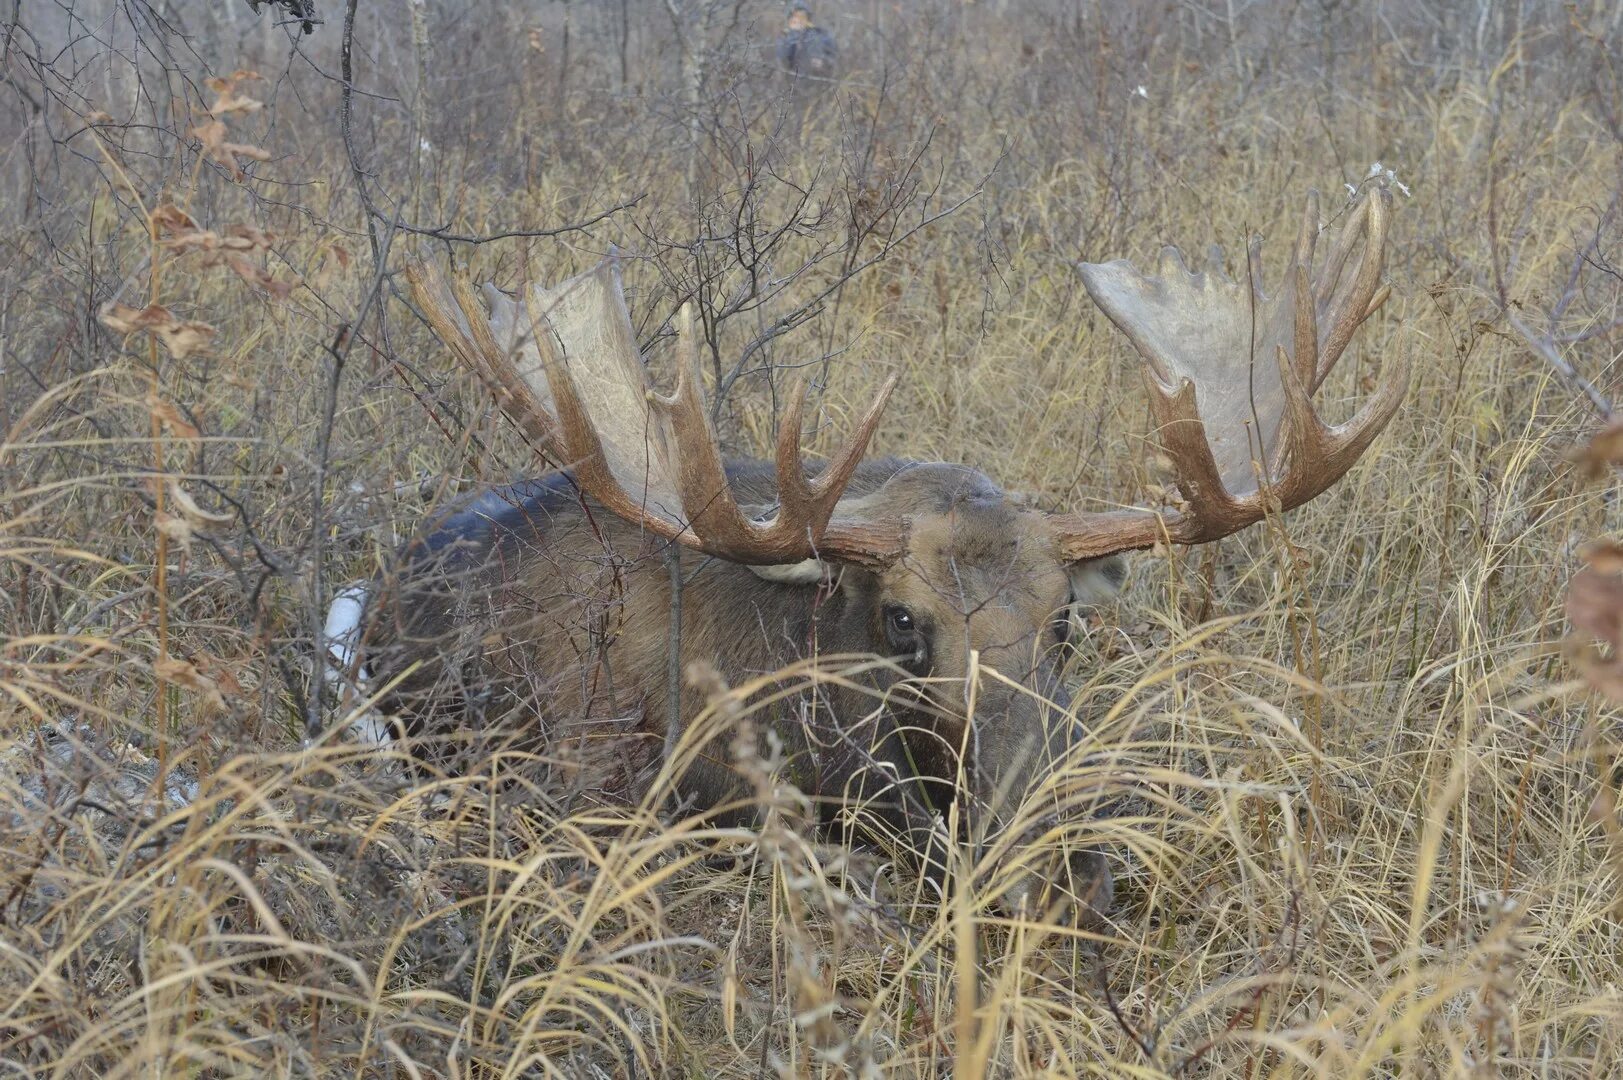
(346, 679)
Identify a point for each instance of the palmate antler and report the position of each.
(579, 391)
(1230, 374)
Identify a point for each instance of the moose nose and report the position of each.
(1061, 732)
(1077, 889)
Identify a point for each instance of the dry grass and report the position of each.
(1358, 837)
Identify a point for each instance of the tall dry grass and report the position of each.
(1358, 831)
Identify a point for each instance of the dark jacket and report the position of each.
(808, 51)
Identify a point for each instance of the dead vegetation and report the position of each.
(1368, 802)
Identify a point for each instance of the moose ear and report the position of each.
(805, 572)
(1096, 581)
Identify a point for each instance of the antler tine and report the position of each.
(1355, 306)
(1336, 258)
(1183, 436)
(454, 314)
(826, 489)
(807, 506)
(794, 487)
(1307, 314)
(701, 475)
(1318, 455)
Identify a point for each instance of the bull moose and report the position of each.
(553, 597)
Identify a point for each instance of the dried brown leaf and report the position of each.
(213, 245)
(1603, 451)
(172, 219)
(220, 150)
(176, 528)
(1595, 605)
(183, 673)
(180, 338)
(184, 338)
(248, 238)
(217, 670)
(192, 240)
(256, 275)
(228, 100)
(333, 260)
(1595, 610)
(1603, 556)
(123, 319)
(195, 515)
(169, 414)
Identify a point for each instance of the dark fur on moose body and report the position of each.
(528, 583)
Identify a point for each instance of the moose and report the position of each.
(553, 597)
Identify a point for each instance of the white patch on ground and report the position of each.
(65, 767)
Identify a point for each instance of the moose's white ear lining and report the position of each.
(804, 572)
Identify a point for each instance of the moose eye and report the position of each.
(903, 635)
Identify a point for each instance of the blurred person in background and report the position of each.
(806, 49)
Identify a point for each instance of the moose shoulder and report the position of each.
(553, 597)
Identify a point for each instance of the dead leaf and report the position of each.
(169, 414)
(215, 145)
(123, 319)
(192, 240)
(1604, 556)
(177, 529)
(333, 259)
(1595, 605)
(1603, 451)
(183, 673)
(228, 100)
(180, 337)
(240, 75)
(1595, 610)
(248, 238)
(171, 218)
(213, 245)
(216, 669)
(195, 515)
(184, 338)
(256, 275)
